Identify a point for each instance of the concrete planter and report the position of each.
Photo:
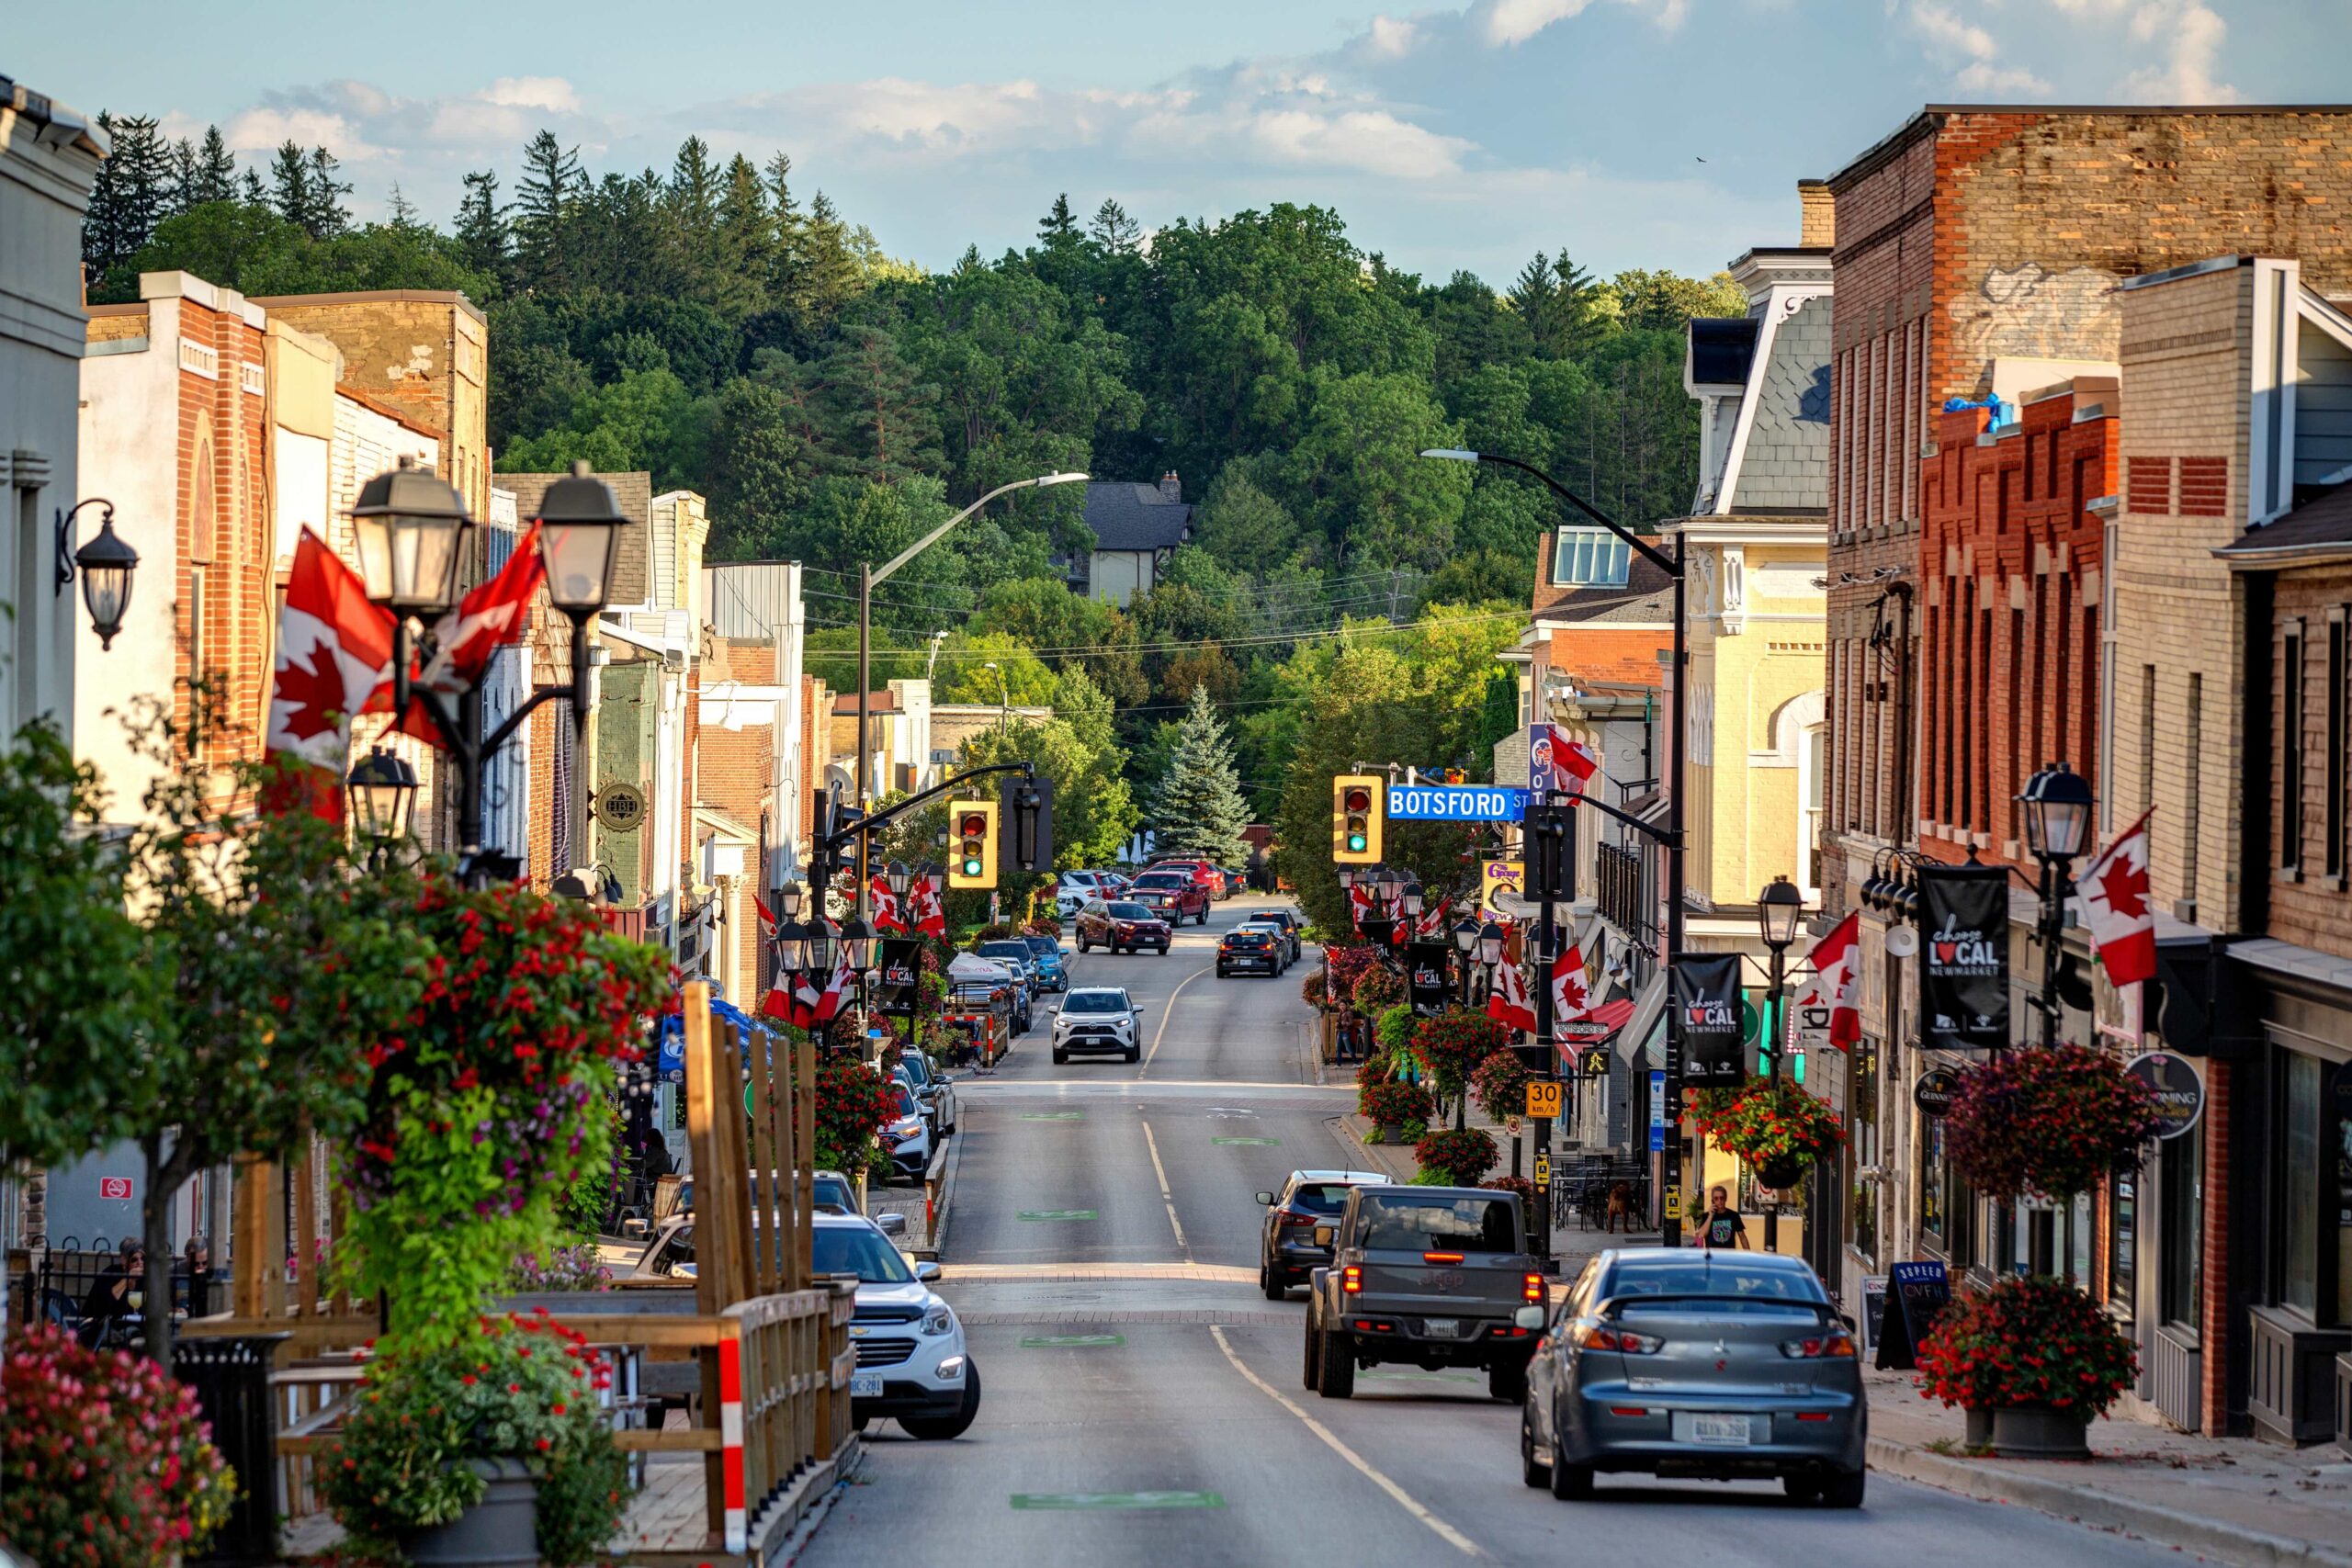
(2038, 1431)
(499, 1531)
(1389, 1133)
(1980, 1427)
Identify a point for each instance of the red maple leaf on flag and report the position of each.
(2120, 885)
(309, 695)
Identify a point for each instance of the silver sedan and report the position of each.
(1716, 1365)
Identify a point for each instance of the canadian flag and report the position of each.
(930, 911)
(2114, 890)
(1831, 998)
(887, 917)
(803, 1005)
(1431, 927)
(1571, 998)
(333, 647)
(1576, 760)
(1508, 1004)
(1359, 904)
(495, 613)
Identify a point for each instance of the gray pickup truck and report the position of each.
(1428, 1277)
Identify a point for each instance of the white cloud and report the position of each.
(1941, 26)
(533, 93)
(1508, 22)
(1392, 37)
(2187, 33)
(1950, 34)
(265, 130)
(1372, 141)
(1985, 77)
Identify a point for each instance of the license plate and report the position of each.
(1719, 1431)
(865, 1386)
(1442, 1327)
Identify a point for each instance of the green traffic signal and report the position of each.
(1355, 842)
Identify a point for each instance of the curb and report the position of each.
(1347, 1125)
(2100, 1510)
(941, 1205)
(787, 1551)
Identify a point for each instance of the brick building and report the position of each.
(1978, 255)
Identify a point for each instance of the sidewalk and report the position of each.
(2231, 1499)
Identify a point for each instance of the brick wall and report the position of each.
(2011, 558)
(224, 601)
(2310, 905)
(738, 767)
(1615, 655)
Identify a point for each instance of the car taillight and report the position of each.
(1816, 1347)
(1532, 1287)
(1351, 1280)
(1288, 1217)
(1590, 1334)
(1441, 1257)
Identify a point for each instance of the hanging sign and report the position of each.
(2179, 1092)
(1425, 965)
(1934, 1092)
(619, 806)
(1963, 957)
(1707, 1003)
(901, 978)
(1499, 879)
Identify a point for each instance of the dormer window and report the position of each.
(1588, 557)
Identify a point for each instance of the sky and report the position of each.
(1629, 132)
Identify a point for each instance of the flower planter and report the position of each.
(1979, 1434)
(1781, 1174)
(1389, 1133)
(499, 1531)
(2038, 1431)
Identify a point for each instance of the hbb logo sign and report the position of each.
(115, 1187)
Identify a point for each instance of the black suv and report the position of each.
(1285, 917)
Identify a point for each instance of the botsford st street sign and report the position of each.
(1455, 803)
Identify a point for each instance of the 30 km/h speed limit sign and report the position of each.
(1544, 1098)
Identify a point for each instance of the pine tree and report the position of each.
(290, 175)
(690, 212)
(1199, 808)
(216, 171)
(1113, 229)
(326, 215)
(1059, 222)
(185, 175)
(746, 239)
(481, 226)
(403, 211)
(547, 200)
(828, 275)
(131, 194)
(251, 191)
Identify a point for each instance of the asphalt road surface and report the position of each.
(1142, 1400)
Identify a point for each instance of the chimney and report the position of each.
(1818, 225)
(1169, 488)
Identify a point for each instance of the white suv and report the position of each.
(1097, 1019)
(912, 1365)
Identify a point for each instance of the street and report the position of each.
(1150, 1410)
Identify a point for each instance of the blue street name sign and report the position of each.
(1455, 803)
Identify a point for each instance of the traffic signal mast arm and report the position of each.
(842, 837)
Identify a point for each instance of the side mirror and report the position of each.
(1266, 1200)
(890, 1225)
(1530, 1318)
(1323, 1234)
(927, 1272)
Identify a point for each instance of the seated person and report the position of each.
(106, 1306)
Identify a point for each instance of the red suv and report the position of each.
(1173, 893)
(1206, 877)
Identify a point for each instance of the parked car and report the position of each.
(1236, 880)
(931, 1087)
(1285, 917)
(1014, 955)
(1720, 1365)
(907, 1135)
(913, 1363)
(1257, 947)
(1123, 927)
(1427, 1276)
(1287, 1251)
(1050, 956)
(1206, 877)
(1097, 1019)
(1113, 882)
(1017, 987)
(1173, 894)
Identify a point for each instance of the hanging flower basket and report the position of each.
(1461, 1159)
(1450, 1044)
(1377, 990)
(2050, 1123)
(1499, 1086)
(1776, 1127)
(2038, 1353)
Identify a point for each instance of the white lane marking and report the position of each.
(1166, 1197)
(1167, 1013)
(1404, 1499)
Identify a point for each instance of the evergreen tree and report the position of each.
(481, 226)
(1113, 229)
(251, 191)
(326, 216)
(290, 175)
(403, 212)
(1059, 222)
(828, 275)
(1199, 808)
(216, 171)
(690, 213)
(184, 175)
(132, 193)
(746, 250)
(547, 200)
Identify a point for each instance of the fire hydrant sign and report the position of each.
(1544, 1098)
(115, 1187)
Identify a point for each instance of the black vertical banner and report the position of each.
(900, 979)
(1425, 965)
(1706, 996)
(1963, 957)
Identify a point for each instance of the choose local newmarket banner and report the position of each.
(1707, 995)
(1963, 957)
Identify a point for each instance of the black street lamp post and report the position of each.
(105, 566)
(1779, 910)
(2058, 805)
(1670, 836)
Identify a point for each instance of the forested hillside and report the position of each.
(733, 333)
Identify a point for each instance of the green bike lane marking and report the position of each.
(1071, 1341)
(1056, 1214)
(1248, 1142)
(1071, 1502)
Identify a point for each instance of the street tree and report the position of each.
(1199, 808)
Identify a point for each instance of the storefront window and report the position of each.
(1933, 1218)
(2180, 1166)
(2299, 1184)
(1861, 1115)
(2122, 1237)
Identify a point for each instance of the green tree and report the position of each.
(1198, 808)
(483, 233)
(547, 201)
(1112, 230)
(1662, 300)
(989, 668)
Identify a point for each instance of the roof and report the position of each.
(632, 577)
(2319, 530)
(392, 412)
(43, 113)
(1721, 349)
(357, 296)
(1646, 596)
(1136, 517)
(1931, 118)
(1784, 462)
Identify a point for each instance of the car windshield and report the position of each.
(1161, 879)
(916, 1066)
(1758, 1291)
(1016, 951)
(906, 1099)
(1319, 1196)
(833, 1191)
(859, 1250)
(1129, 912)
(1044, 946)
(1477, 1225)
(1095, 1001)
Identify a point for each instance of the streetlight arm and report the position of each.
(883, 572)
(1649, 552)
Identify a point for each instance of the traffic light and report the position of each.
(1551, 853)
(971, 844)
(1356, 812)
(1027, 809)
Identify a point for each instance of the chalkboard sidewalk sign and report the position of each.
(1917, 1294)
(1873, 1312)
